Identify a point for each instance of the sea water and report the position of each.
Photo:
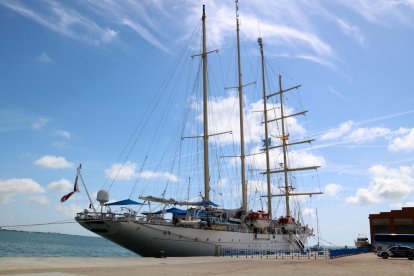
(36, 244)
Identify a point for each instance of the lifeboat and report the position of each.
(287, 222)
(189, 220)
(259, 219)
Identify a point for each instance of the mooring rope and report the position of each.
(38, 224)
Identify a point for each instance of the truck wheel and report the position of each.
(411, 257)
(384, 255)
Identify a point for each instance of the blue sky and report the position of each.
(77, 77)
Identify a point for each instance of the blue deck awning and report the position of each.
(171, 210)
(176, 211)
(206, 203)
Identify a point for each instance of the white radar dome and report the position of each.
(102, 196)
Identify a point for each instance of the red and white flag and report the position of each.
(75, 189)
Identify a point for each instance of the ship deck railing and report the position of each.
(132, 216)
(108, 216)
(329, 253)
(274, 254)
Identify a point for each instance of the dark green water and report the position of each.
(35, 244)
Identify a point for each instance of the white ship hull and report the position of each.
(149, 239)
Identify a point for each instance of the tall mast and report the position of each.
(269, 191)
(284, 138)
(205, 117)
(242, 155)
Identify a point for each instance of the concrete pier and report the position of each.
(363, 264)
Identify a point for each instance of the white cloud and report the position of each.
(400, 205)
(295, 25)
(44, 58)
(332, 189)
(317, 59)
(335, 133)
(285, 25)
(63, 133)
(122, 172)
(40, 123)
(109, 35)
(17, 186)
(351, 30)
(224, 116)
(62, 185)
(336, 93)
(128, 171)
(392, 183)
(346, 28)
(361, 135)
(403, 143)
(274, 30)
(144, 33)
(40, 200)
(305, 159)
(282, 27)
(362, 197)
(53, 162)
(65, 20)
(358, 134)
(386, 117)
(382, 12)
(386, 184)
(296, 159)
(162, 175)
(65, 137)
(409, 3)
(136, 16)
(68, 210)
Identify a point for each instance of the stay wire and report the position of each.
(151, 108)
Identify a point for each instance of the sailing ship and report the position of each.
(202, 228)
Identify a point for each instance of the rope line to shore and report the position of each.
(38, 224)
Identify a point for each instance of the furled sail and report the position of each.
(176, 202)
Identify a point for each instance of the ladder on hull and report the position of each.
(296, 239)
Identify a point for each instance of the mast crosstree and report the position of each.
(284, 144)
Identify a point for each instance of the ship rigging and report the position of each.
(204, 228)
